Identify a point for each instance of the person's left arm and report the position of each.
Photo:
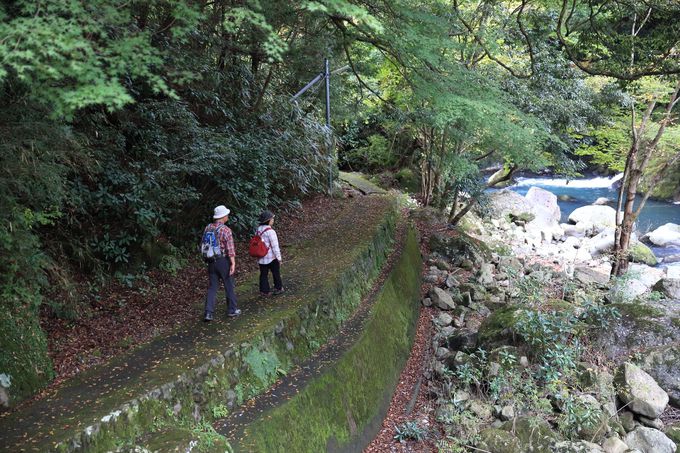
(231, 250)
(274, 242)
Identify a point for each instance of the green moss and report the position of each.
(667, 188)
(199, 437)
(640, 253)
(498, 441)
(638, 311)
(558, 305)
(360, 183)
(534, 434)
(673, 433)
(498, 326)
(23, 351)
(521, 218)
(337, 407)
(462, 244)
(408, 180)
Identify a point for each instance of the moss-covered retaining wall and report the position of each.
(342, 409)
(232, 365)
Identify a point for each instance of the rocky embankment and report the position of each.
(536, 350)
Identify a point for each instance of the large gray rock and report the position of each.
(463, 340)
(505, 202)
(643, 325)
(602, 243)
(485, 276)
(640, 391)
(498, 441)
(614, 445)
(546, 202)
(627, 290)
(442, 299)
(576, 447)
(647, 274)
(665, 235)
(663, 364)
(649, 440)
(593, 275)
(669, 286)
(577, 231)
(639, 279)
(600, 217)
(444, 319)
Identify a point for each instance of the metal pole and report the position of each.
(308, 86)
(327, 72)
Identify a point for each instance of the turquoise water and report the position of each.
(585, 191)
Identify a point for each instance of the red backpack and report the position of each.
(257, 247)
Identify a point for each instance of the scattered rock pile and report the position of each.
(506, 321)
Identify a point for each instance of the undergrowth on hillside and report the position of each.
(547, 384)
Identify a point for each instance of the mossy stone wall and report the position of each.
(341, 409)
(25, 366)
(252, 365)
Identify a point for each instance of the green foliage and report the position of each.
(577, 416)
(264, 365)
(376, 154)
(219, 411)
(608, 145)
(410, 430)
(76, 54)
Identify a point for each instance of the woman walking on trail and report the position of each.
(272, 260)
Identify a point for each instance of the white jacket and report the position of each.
(271, 240)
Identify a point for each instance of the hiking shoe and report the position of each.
(234, 314)
(265, 294)
(208, 317)
(279, 291)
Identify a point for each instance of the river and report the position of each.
(582, 192)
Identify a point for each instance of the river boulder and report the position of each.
(649, 440)
(602, 201)
(640, 253)
(600, 217)
(546, 201)
(505, 202)
(640, 392)
(665, 235)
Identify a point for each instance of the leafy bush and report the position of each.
(410, 430)
(375, 154)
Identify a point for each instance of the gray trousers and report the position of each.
(219, 270)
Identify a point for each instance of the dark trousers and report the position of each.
(275, 267)
(219, 270)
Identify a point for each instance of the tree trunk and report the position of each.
(638, 157)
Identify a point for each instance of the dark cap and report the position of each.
(265, 217)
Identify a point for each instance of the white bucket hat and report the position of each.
(221, 211)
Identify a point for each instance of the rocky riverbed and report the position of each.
(535, 349)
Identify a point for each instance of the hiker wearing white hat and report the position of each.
(217, 247)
